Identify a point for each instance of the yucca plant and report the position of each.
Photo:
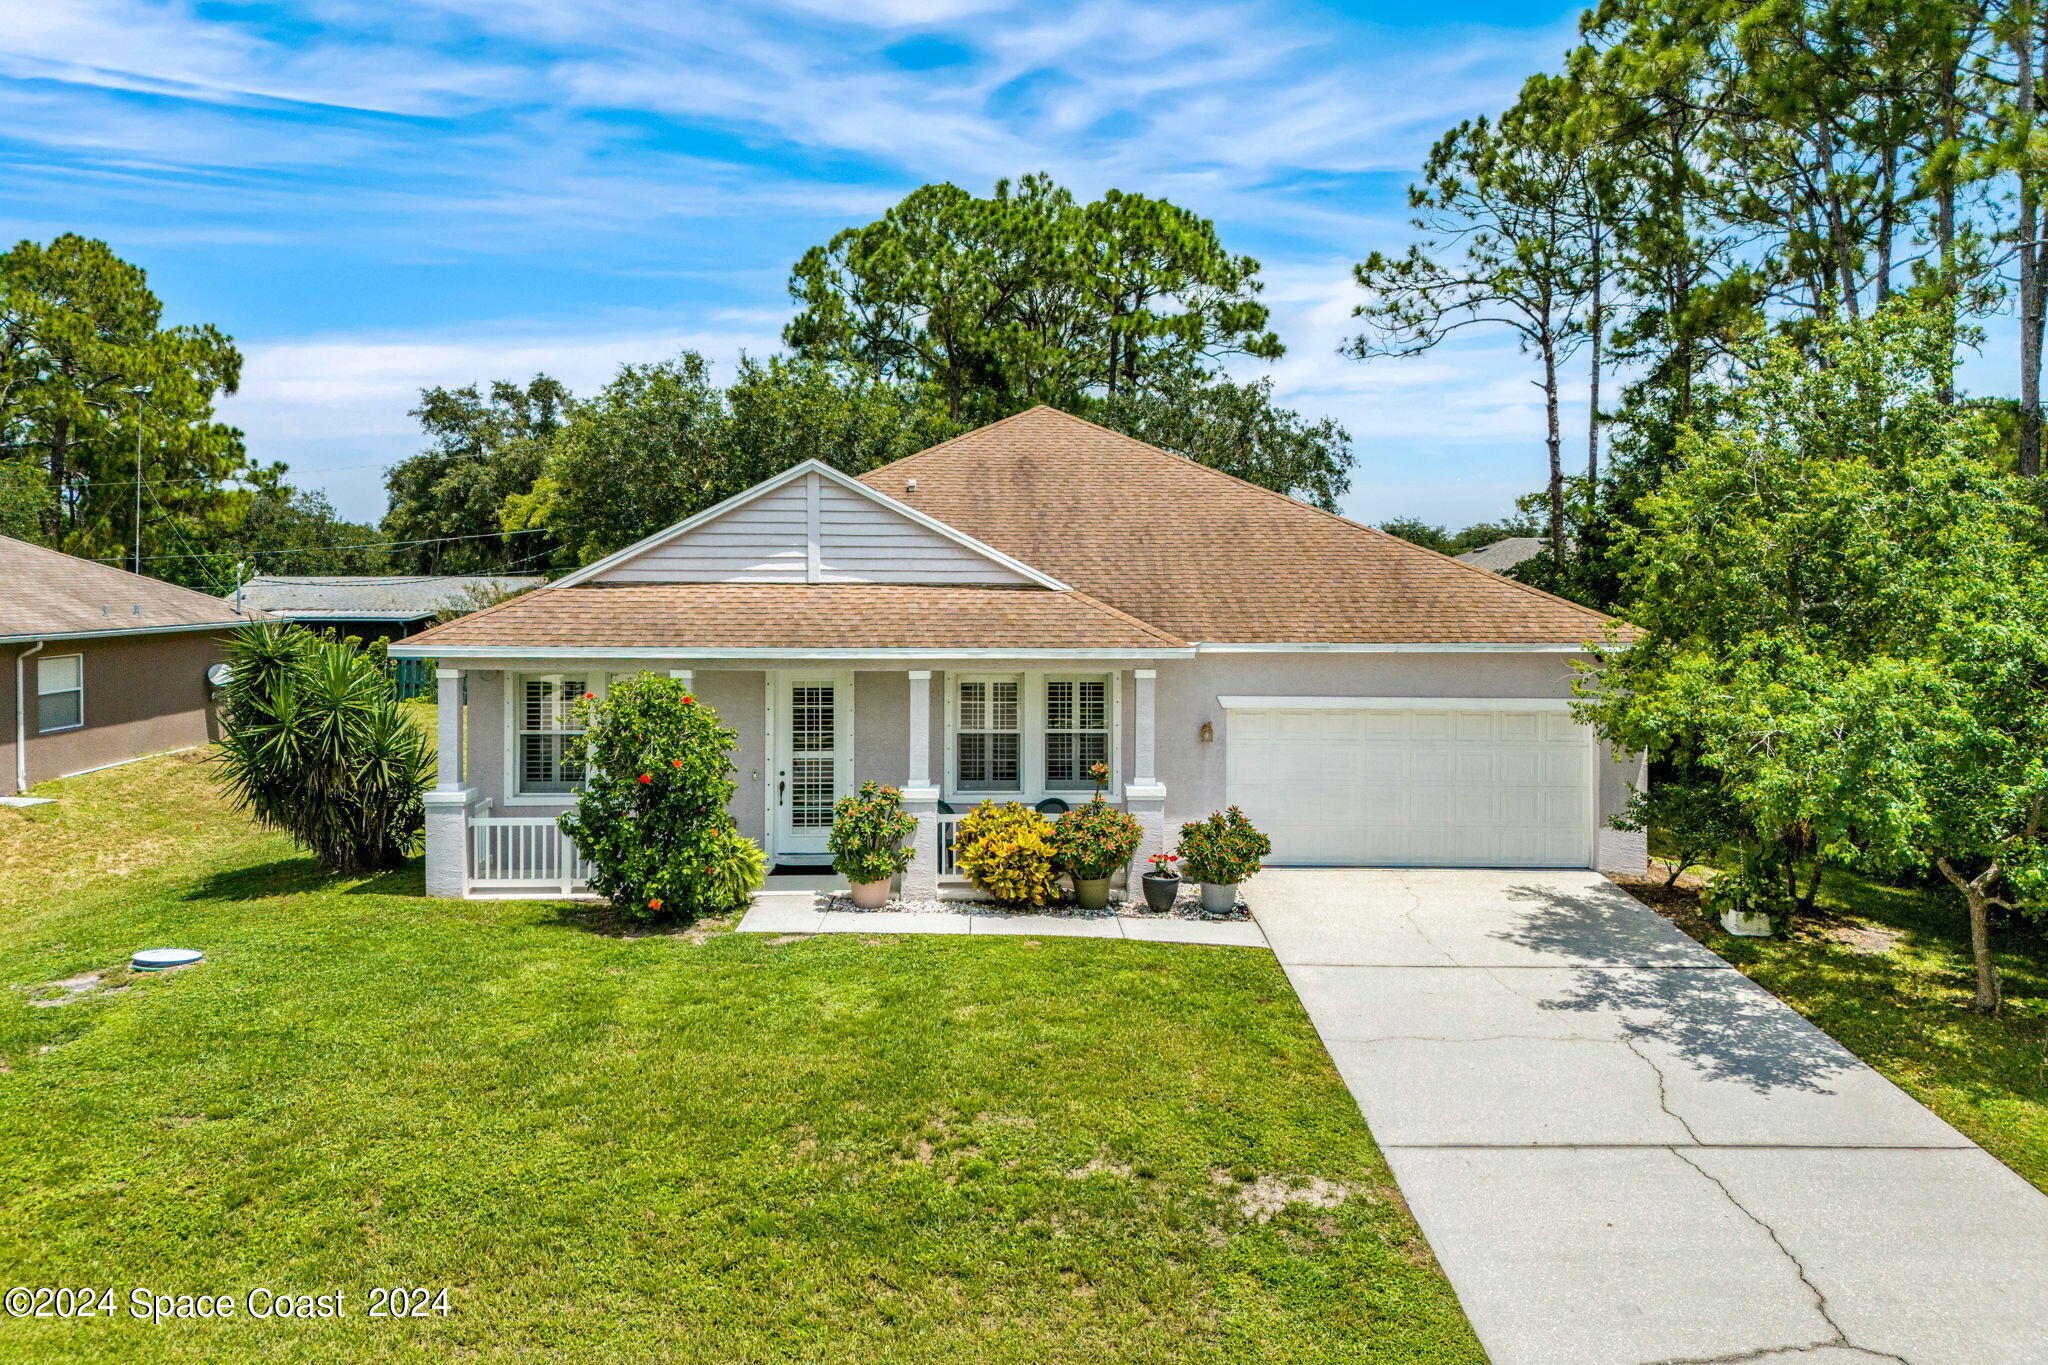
(315, 744)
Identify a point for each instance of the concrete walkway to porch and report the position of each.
(793, 913)
(1624, 1152)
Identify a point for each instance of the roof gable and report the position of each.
(811, 525)
(1204, 555)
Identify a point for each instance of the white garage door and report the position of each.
(1415, 788)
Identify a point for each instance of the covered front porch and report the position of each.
(950, 731)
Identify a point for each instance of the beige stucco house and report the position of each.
(102, 665)
(989, 617)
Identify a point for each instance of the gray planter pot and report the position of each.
(1092, 894)
(1219, 898)
(1161, 892)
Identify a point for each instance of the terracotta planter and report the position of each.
(1161, 892)
(1092, 894)
(871, 895)
(1219, 898)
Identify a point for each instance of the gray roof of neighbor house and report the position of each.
(47, 595)
(362, 597)
(1504, 554)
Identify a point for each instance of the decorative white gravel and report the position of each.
(1187, 906)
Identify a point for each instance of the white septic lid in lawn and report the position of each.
(156, 959)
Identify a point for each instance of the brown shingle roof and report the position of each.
(48, 594)
(1204, 555)
(715, 616)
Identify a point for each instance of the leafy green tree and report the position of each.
(1803, 584)
(24, 498)
(316, 745)
(486, 447)
(643, 454)
(1026, 297)
(653, 817)
(662, 442)
(297, 531)
(1239, 429)
(98, 393)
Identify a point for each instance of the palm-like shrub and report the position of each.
(1093, 840)
(871, 834)
(315, 744)
(654, 816)
(1006, 850)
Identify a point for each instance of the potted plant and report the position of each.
(1091, 842)
(871, 841)
(1743, 902)
(1220, 852)
(1162, 883)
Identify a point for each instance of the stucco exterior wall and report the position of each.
(1188, 691)
(144, 694)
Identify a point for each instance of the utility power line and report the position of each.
(334, 549)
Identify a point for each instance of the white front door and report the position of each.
(1415, 788)
(813, 723)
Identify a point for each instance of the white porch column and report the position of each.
(921, 793)
(447, 834)
(1144, 797)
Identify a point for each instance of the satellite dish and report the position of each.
(220, 675)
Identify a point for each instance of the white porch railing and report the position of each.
(949, 830)
(523, 851)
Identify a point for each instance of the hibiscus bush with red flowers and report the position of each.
(654, 816)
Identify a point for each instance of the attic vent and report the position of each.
(910, 485)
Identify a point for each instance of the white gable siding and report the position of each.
(860, 541)
(772, 538)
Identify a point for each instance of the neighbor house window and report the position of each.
(1076, 730)
(986, 734)
(545, 726)
(60, 692)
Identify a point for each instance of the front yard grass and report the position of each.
(687, 1147)
(1886, 971)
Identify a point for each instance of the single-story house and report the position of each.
(986, 619)
(107, 665)
(1503, 555)
(370, 606)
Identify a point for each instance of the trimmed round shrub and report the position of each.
(654, 816)
(1006, 850)
(871, 834)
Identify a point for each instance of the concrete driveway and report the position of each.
(1624, 1152)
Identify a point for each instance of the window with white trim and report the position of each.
(544, 725)
(60, 692)
(1076, 730)
(988, 732)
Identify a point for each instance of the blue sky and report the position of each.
(373, 195)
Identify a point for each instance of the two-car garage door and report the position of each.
(1414, 787)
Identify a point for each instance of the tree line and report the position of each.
(1698, 175)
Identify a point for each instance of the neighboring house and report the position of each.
(985, 619)
(106, 665)
(371, 607)
(1503, 555)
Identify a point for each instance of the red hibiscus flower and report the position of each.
(646, 778)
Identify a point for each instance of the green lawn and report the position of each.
(675, 1147)
(1887, 972)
